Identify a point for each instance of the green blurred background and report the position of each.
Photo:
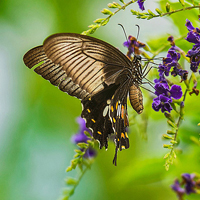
(37, 120)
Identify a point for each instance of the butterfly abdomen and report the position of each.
(136, 98)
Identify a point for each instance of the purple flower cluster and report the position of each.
(141, 4)
(165, 95)
(187, 186)
(133, 46)
(162, 90)
(194, 54)
(172, 61)
(80, 137)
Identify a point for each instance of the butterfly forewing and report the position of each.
(95, 72)
(88, 61)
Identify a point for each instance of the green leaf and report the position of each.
(78, 151)
(105, 22)
(122, 1)
(105, 11)
(114, 5)
(134, 12)
(166, 155)
(92, 25)
(74, 163)
(167, 136)
(91, 143)
(182, 2)
(149, 17)
(174, 154)
(170, 132)
(98, 21)
(85, 32)
(167, 7)
(173, 106)
(171, 124)
(151, 13)
(195, 140)
(167, 166)
(69, 169)
(158, 11)
(169, 116)
(173, 141)
(87, 134)
(82, 145)
(167, 146)
(71, 181)
(144, 17)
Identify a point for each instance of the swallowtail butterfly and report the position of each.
(99, 75)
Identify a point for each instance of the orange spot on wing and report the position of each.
(122, 112)
(116, 105)
(99, 132)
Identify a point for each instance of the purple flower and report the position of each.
(194, 37)
(162, 102)
(187, 186)
(175, 91)
(194, 55)
(133, 46)
(162, 80)
(80, 137)
(141, 4)
(178, 189)
(189, 183)
(170, 61)
(165, 95)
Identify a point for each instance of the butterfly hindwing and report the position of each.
(96, 113)
(119, 116)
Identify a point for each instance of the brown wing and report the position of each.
(79, 65)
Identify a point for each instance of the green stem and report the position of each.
(180, 117)
(175, 11)
(166, 45)
(80, 176)
(171, 12)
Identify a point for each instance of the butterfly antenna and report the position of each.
(124, 31)
(138, 31)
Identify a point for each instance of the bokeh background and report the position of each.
(37, 120)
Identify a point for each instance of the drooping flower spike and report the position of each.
(193, 36)
(80, 137)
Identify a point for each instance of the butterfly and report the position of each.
(99, 75)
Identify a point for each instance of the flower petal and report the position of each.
(189, 25)
(176, 91)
